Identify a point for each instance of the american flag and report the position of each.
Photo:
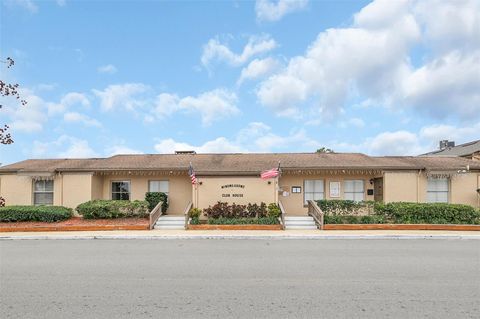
(271, 173)
(191, 172)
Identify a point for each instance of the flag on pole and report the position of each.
(271, 173)
(191, 172)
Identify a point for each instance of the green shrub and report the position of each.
(223, 209)
(34, 213)
(349, 212)
(194, 214)
(243, 221)
(346, 207)
(273, 210)
(428, 213)
(153, 198)
(99, 209)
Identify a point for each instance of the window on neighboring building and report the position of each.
(121, 190)
(296, 189)
(43, 192)
(313, 190)
(354, 190)
(437, 190)
(158, 186)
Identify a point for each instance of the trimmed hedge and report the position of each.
(244, 221)
(346, 207)
(434, 213)
(349, 212)
(153, 198)
(107, 209)
(47, 214)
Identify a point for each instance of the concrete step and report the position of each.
(300, 222)
(298, 218)
(168, 217)
(168, 227)
(170, 222)
(300, 227)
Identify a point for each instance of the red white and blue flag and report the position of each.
(271, 173)
(191, 172)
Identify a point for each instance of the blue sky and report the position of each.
(109, 77)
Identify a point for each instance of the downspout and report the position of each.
(418, 185)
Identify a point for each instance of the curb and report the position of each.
(238, 237)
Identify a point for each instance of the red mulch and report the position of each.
(78, 223)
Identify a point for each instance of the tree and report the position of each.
(8, 90)
(325, 150)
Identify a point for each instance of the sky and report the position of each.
(388, 77)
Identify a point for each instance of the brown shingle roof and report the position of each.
(248, 163)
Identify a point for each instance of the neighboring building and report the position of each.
(236, 178)
(469, 150)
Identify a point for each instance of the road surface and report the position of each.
(240, 279)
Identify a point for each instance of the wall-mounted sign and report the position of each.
(227, 195)
(233, 185)
(334, 189)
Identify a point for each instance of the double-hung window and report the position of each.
(43, 192)
(354, 190)
(121, 190)
(313, 189)
(158, 186)
(437, 190)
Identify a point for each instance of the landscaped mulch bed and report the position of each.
(234, 227)
(401, 227)
(77, 224)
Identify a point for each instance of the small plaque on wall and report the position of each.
(334, 189)
(370, 192)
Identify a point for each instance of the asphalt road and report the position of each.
(240, 279)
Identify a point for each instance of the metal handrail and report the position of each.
(316, 213)
(282, 215)
(155, 214)
(187, 209)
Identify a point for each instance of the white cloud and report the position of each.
(72, 117)
(256, 137)
(128, 96)
(63, 147)
(215, 50)
(212, 105)
(67, 101)
(394, 143)
(109, 68)
(29, 5)
(371, 60)
(267, 10)
(445, 85)
(29, 118)
(218, 145)
(121, 149)
(258, 68)
(354, 122)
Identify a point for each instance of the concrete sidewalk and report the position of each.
(250, 234)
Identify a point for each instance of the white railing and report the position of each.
(316, 213)
(155, 214)
(187, 209)
(282, 215)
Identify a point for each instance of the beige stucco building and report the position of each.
(236, 178)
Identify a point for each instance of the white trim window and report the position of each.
(354, 190)
(437, 190)
(158, 186)
(121, 190)
(43, 192)
(313, 189)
